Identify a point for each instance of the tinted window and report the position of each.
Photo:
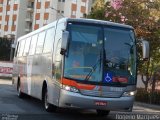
(40, 42)
(17, 49)
(49, 40)
(22, 48)
(84, 53)
(26, 49)
(33, 45)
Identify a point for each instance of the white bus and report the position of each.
(79, 63)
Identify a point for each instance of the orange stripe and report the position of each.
(77, 85)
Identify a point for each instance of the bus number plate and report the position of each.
(100, 103)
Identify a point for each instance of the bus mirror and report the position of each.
(145, 49)
(65, 36)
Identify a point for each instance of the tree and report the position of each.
(144, 16)
(5, 47)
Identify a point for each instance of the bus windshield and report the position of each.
(100, 55)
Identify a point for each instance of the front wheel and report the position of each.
(103, 112)
(48, 107)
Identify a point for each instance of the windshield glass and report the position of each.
(84, 53)
(119, 56)
(101, 55)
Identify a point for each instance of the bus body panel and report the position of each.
(76, 100)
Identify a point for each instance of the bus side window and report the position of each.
(40, 42)
(17, 48)
(48, 45)
(33, 45)
(26, 50)
(22, 48)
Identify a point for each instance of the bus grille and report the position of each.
(96, 93)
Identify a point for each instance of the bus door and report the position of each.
(57, 63)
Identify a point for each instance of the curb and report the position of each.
(5, 78)
(151, 106)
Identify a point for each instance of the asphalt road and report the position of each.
(13, 108)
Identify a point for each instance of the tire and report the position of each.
(19, 92)
(103, 112)
(48, 107)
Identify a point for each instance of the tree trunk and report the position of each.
(154, 82)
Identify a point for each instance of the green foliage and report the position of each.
(5, 47)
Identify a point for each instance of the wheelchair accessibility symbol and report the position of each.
(108, 77)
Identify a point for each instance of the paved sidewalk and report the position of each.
(5, 81)
(151, 106)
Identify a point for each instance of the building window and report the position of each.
(38, 6)
(1, 9)
(8, 8)
(13, 28)
(37, 16)
(15, 7)
(36, 26)
(74, 7)
(83, 9)
(14, 18)
(1, 1)
(47, 4)
(7, 18)
(46, 16)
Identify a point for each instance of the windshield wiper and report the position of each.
(94, 67)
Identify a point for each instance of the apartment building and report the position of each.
(47, 11)
(15, 17)
(19, 17)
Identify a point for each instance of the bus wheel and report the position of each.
(48, 107)
(20, 93)
(103, 112)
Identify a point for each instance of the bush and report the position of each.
(148, 96)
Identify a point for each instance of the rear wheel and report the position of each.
(48, 107)
(19, 91)
(103, 112)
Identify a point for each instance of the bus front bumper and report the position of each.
(76, 100)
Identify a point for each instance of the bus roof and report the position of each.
(101, 22)
(81, 20)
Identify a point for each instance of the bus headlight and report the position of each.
(70, 88)
(129, 93)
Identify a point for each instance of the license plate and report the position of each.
(100, 103)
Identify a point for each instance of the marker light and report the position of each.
(70, 88)
(130, 93)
